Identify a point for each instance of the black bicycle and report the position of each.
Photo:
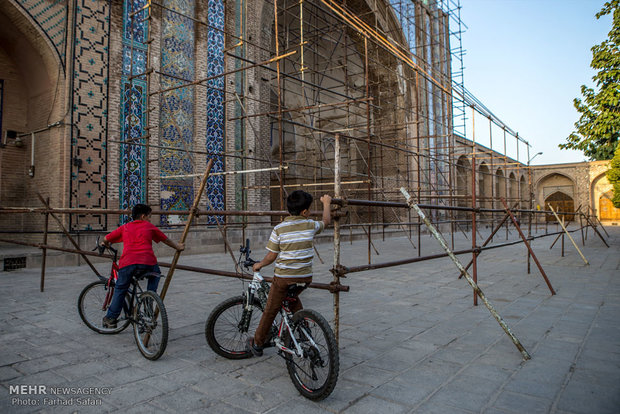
(304, 339)
(144, 309)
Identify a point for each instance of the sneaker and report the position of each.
(109, 323)
(255, 349)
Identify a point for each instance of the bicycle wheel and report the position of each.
(93, 306)
(229, 325)
(315, 374)
(150, 326)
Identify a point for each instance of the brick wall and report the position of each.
(34, 98)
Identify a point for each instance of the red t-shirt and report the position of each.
(137, 237)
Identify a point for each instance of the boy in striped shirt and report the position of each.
(291, 243)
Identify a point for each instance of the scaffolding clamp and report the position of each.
(339, 271)
(335, 287)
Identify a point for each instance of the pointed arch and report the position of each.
(500, 183)
(485, 185)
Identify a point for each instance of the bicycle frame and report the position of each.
(113, 278)
(255, 288)
(285, 324)
(133, 290)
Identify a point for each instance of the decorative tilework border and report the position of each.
(51, 17)
(90, 113)
(215, 104)
(133, 106)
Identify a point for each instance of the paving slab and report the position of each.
(411, 339)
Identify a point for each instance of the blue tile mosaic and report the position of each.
(133, 157)
(176, 197)
(133, 106)
(215, 103)
(176, 115)
(138, 25)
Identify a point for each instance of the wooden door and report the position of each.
(561, 203)
(607, 209)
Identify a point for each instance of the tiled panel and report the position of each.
(133, 108)
(176, 111)
(215, 103)
(90, 112)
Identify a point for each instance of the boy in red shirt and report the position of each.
(137, 258)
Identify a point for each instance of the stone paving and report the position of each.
(411, 339)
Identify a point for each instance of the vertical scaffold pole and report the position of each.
(337, 194)
(44, 255)
(474, 255)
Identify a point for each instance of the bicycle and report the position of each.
(144, 309)
(305, 340)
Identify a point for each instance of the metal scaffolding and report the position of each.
(355, 98)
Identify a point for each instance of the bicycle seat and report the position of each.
(294, 290)
(146, 275)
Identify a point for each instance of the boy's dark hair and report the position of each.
(298, 201)
(140, 209)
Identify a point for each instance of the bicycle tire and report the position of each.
(222, 328)
(91, 310)
(325, 357)
(150, 325)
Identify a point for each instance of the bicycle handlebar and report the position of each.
(102, 247)
(245, 250)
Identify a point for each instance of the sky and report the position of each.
(526, 61)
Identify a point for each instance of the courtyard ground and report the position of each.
(411, 339)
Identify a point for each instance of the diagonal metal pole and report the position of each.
(459, 265)
(529, 248)
(192, 213)
(555, 241)
(488, 240)
(595, 229)
(568, 234)
(601, 224)
(177, 254)
(64, 230)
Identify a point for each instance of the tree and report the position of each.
(613, 175)
(598, 129)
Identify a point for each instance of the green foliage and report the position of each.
(613, 175)
(598, 129)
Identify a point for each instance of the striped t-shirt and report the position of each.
(292, 240)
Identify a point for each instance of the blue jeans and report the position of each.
(125, 275)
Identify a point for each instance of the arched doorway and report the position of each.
(513, 190)
(601, 193)
(500, 184)
(559, 189)
(523, 193)
(463, 181)
(485, 182)
(31, 74)
(561, 203)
